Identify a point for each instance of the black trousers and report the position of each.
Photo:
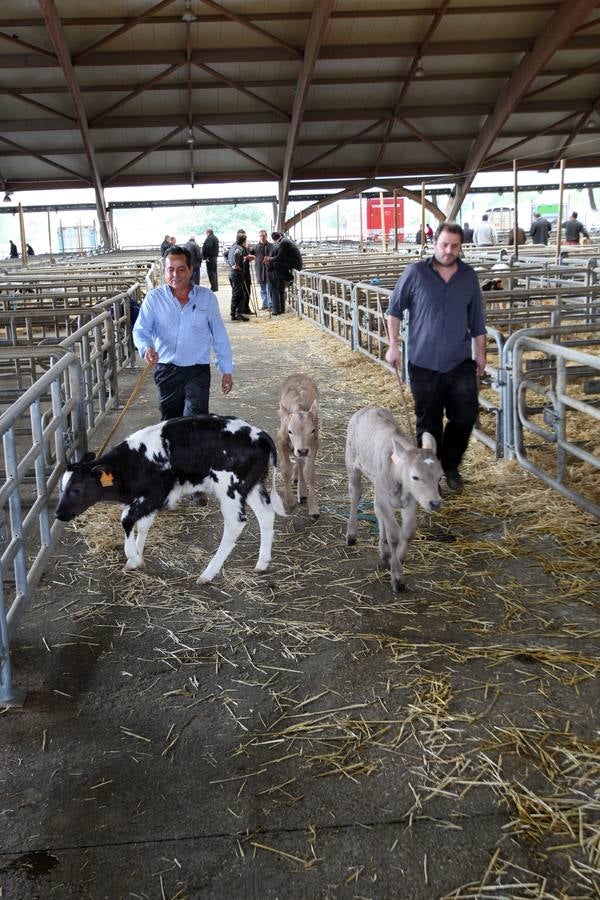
(238, 292)
(211, 271)
(453, 394)
(182, 390)
(277, 292)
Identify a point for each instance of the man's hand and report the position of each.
(480, 360)
(393, 357)
(226, 384)
(250, 257)
(151, 356)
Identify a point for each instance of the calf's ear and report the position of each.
(398, 452)
(428, 442)
(107, 478)
(314, 409)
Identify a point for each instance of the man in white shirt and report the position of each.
(485, 234)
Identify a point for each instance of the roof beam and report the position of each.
(256, 174)
(143, 154)
(137, 20)
(139, 90)
(530, 137)
(566, 74)
(246, 22)
(316, 32)
(570, 14)
(240, 87)
(583, 120)
(389, 50)
(587, 70)
(353, 191)
(24, 99)
(299, 15)
(13, 39)
(326, 116)
(439, 15)
(56, 34)
(236, 149)
(355, 138)
(26, 152)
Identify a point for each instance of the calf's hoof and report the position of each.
(302, 499)
(384, 562)
(135, 562)
(261, 567)
(398, 585)
(314, 516)
(350, 540)
(204, 578)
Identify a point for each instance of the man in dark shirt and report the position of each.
(468, 233)
(165, 245)
(237, 258)
(196, 255)
(445, 307)
(573, 230)
(540, 229)
(210, 253)
(260, 250)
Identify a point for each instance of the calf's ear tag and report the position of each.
(107, 479)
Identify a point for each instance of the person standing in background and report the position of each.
(210, 253)
(540, 229)
(485, 234)
(260, 250)
(196, 257)
(165, 244)
(468, 233)
(574, 230)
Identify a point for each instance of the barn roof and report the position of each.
(135, 92)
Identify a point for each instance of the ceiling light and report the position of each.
(7, 198)
(419, 71)
(190, 138)
(188, 15)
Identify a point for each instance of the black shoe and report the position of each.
(241, 318)
(454, 480)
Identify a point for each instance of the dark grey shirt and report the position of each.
(443, 316)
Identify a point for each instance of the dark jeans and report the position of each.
(453, 393)
(277, 292)
(196, 275)
(182, 390)
(238, 292)
(211, 271)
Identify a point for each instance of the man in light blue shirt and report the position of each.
(178, 325)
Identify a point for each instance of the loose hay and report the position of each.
(496, 714)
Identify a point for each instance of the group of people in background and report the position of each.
(485, 235)
(14, 250)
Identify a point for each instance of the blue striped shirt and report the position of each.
(183, 335)
(443, 316)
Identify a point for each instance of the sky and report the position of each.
(147, 228)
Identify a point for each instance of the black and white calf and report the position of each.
(158, 465)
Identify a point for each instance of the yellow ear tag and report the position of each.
(107, 479)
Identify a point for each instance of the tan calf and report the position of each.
(298, 439)
(402, 476)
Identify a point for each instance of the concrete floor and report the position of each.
(307, 734)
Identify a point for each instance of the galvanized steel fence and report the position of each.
(567, 316)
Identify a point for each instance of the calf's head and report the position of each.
(419, 471)
(302, 430)
(82, 485)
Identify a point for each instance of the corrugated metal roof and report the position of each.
(301, 89)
